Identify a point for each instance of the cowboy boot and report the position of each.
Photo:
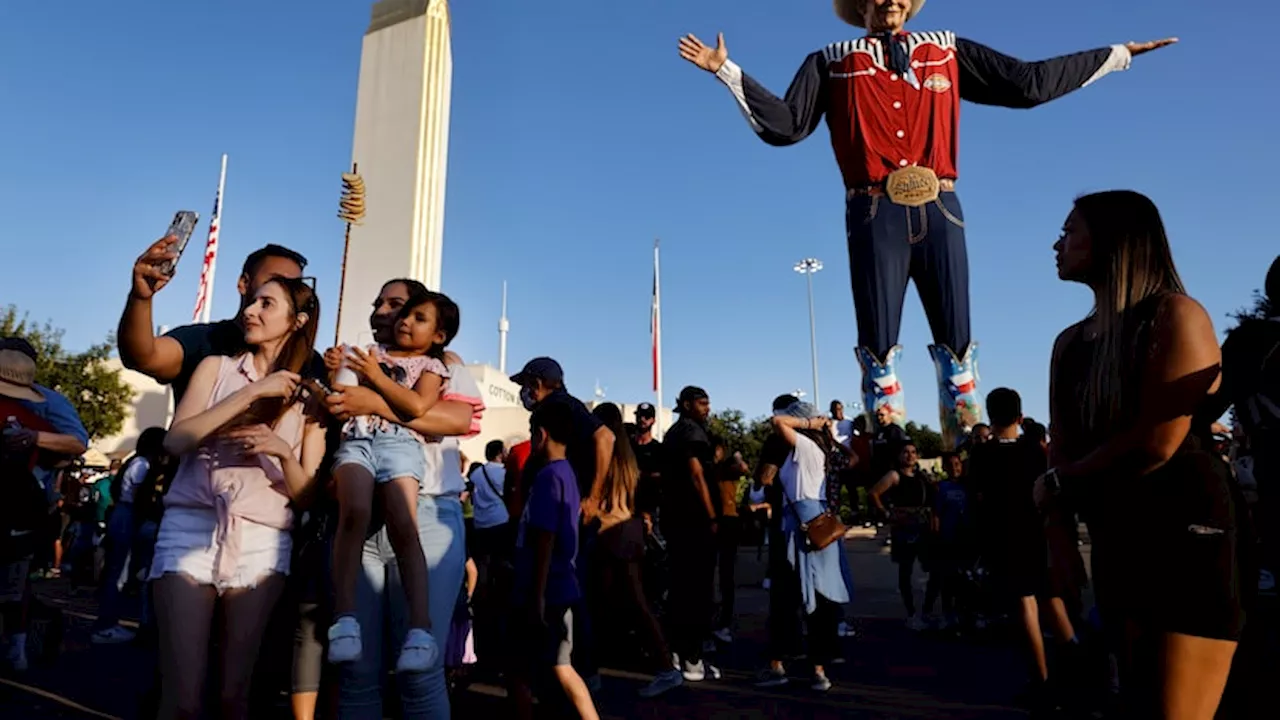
(880, 386)
(959, 408)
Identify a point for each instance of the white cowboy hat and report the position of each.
(853, 11)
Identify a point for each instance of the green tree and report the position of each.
(97, 391)
(1260, 310)
(928, 441)
(740, 434)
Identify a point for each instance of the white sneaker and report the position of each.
(724, 635)
(419, 652)
(662, 682)
(915, 624)
(701, 670)
(820, 683)
(345, 645)
(114, 635)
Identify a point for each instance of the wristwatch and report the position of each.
(1051, 481)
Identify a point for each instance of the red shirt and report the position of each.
(885, 123)
(881, 121)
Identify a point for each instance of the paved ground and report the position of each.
(890, 673)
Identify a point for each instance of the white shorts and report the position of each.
(188, 544)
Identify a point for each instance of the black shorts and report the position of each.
(1184, 565)
(540, 646)
(624, 541)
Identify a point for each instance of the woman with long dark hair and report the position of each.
(910, 511)
(616, 570)
(248, 451)
(1128, 446)
(122, 529)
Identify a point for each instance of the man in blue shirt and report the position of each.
(547, 590)
(46, 429)
(70, 439)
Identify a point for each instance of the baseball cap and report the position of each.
(691, 393)
(539, 368)
(646, 410)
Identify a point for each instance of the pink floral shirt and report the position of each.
(406, 371)
(239, 488)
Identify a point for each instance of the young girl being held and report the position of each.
(410, 375)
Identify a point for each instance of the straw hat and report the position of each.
(852, 11)
(17, 376)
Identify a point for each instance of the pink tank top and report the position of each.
(237, 487)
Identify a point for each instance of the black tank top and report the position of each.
(1078, 437)
(912, 491)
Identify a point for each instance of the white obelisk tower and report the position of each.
(401, 146)
(504, 326)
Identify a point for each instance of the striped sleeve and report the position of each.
(786, 120)
(462, 387)
(988, 77)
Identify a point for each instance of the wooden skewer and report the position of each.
(342, 282)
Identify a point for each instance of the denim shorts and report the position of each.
(386, 455)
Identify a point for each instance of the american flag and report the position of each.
(655, 327)
(653, 332)
(204, 298)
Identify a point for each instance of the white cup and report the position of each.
(346, 376)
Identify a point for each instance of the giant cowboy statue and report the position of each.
(892, 103)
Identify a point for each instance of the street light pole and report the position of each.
(808, 267)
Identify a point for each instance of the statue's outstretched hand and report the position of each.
(1138, 48)
(707, 58)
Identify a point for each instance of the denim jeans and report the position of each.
(380, 608)
(120, 535)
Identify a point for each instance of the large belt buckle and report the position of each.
(912, 186)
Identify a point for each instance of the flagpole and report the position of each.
(657, 341)
(204, 301)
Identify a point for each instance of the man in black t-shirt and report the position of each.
(591, 446)
(689, 525)
(172, 358)
(1035, 565)
(648, 452)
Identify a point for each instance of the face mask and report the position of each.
(527, 399)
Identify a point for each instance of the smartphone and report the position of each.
(317, 387)
(183, 226)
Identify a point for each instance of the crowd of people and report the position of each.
(310, 508)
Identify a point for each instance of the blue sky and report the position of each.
(578, 136)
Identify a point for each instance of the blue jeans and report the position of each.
(120, 537)
(380, 608)
(890, 245)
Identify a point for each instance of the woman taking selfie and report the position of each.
(247, 451)
(1129, 449)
